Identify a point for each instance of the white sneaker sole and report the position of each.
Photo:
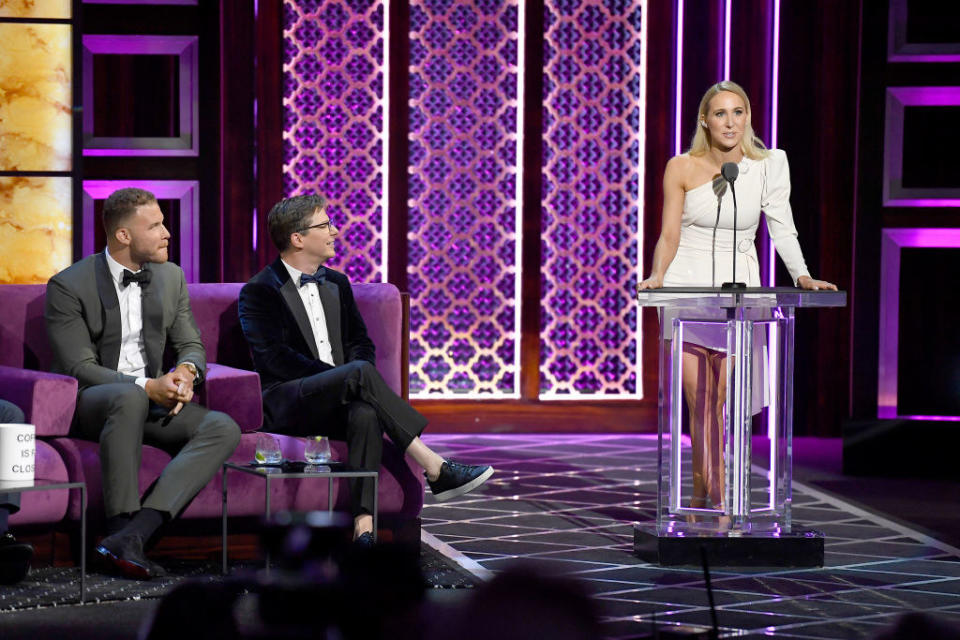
(449, 494)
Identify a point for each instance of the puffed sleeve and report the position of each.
(775, 202)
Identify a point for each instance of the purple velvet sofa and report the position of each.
(49, 399)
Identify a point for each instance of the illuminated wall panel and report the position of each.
(35, 136)
(462, 218)
(184, 50)
(36, 9)
(35, 125)
(35, 228)
(334, 105)
(592, 169)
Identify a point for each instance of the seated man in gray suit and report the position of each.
(109, 317)
(14, 556)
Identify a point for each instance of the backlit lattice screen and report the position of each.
(463, 198)
(592, 116)
(333, 140)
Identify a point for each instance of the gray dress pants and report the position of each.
(122, 418)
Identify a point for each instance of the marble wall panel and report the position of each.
(35, 9)
(35, 228)
(35, 91)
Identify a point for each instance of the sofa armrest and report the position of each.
(47, 399)
(235, 392)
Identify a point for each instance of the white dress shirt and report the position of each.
(310, 295)
(133, 355)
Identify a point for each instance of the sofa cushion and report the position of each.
(23, 333)
(235, 392)
(48, 400)
(215, 310)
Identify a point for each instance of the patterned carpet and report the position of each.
(569, 502)
(59, 586)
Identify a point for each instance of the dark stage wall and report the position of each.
(829, 91)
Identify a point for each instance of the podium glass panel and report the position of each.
(726, 377)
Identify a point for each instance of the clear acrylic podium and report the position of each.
(750, 330)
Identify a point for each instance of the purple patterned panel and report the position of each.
(592, 111)
(463, 257)
(334, 106)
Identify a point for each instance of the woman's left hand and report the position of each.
(806, 282)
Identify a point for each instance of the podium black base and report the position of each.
(800, 549)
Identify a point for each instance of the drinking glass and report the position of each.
(317, 450)
(268, 450)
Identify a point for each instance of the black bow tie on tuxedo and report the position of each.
(319, 277)
(142, 277)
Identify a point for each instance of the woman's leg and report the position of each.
(704, 389)
(715, 467)
(694, 392)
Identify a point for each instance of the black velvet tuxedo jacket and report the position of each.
(82, 314)
(277, 328)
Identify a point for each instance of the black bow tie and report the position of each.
(142, 277)
(319, 277)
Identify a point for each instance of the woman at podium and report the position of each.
(696, 249)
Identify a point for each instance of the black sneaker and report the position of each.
(456, 479)
(364, 540)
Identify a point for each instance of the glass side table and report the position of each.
(42, 484)
(329, 471)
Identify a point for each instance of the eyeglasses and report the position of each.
(329, 224)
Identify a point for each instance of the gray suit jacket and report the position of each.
(83, 322)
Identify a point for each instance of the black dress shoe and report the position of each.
(456, 479)
(124, 552)
(14, 559)
(364, 540)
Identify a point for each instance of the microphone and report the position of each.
(730, 171)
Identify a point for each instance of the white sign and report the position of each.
(18, 452)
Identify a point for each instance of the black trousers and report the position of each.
(351, 403)
(121, 418)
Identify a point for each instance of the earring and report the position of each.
(703, 124)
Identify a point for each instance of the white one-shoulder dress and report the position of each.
(702, 261)
(705, 258)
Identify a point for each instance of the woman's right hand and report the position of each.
(653, 282)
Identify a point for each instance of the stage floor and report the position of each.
(569, 502)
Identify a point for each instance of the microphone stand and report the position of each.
(713, 247)
(734, 284)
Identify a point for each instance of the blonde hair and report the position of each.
(751, 145)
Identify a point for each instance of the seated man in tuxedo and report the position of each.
(14, 556)
(316, 362)
(109, 317)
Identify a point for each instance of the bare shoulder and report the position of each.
(681, 163)
(679, 169)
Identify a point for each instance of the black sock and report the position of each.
(145, 522)
(4, 517)
(117, 522)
